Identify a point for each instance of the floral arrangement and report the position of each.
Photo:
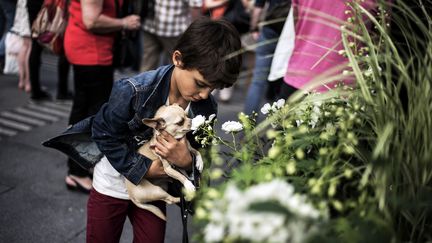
(261, 214)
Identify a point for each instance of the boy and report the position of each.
(200, 64)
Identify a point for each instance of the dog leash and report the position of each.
(184, 215)
(185, 206)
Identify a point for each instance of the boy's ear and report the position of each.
(155, 123)
(177, 59)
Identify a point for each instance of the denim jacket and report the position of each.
(117, 131)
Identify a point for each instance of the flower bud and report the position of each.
(200, 213)
(216, 174)
(291, 167)
(213, 193)
(271, 133)
(299, 153)
(274, 152)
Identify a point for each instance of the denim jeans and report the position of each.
(267, 41)
(8, 9)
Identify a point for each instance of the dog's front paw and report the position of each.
(199, 164)
(189, 186)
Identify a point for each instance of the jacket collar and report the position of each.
(160, 90)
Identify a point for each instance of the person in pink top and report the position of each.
(317, 44)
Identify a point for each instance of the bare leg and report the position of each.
(23, 65)
(27, 84)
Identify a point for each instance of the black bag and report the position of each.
(125, 52)
(277, 15)
(236, 14)
(126, 43)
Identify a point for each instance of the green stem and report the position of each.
(234, 141)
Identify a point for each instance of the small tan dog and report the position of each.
(174, 120)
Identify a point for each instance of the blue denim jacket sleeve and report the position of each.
(110, 131)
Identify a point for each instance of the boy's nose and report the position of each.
(205, 93)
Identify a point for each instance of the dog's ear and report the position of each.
(156, 123)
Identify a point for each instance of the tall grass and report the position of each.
(401, 160)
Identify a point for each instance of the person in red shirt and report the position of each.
(88, 44)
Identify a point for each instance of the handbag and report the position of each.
(238, 16)
(125, 42)
(50, 24)
(13, 44)
(284, 49)
(124, 50)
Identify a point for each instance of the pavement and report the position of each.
(35, 205)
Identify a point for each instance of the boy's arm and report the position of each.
(110, 129)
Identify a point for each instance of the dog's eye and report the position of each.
(180, 123)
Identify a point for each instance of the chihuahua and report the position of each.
(172, 119)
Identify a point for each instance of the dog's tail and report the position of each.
(152, 208)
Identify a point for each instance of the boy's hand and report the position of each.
(174, 151)
(156, 170)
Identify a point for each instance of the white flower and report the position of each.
(197, 122)
(314, 119)
(232, 126)
(369, 72)
(266, 109)
(214, 232)
(211, 117)
(299, 122)
(280, 103)
(231, 216)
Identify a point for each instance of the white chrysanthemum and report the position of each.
(279, 104)
(231, 216)
(299, 122)
(211, 117)
(269, 191)
(368, 72)
(266, 109)
(232, 126)
(197, 122)
(314, 119)
(214, 232)
(232, 193)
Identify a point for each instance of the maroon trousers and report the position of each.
(106, 216)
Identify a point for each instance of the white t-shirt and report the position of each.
(108, 181)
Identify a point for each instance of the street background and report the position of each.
(35, 205)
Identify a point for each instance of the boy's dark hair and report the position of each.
(212, 47)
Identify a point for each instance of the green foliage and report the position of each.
(363, 153)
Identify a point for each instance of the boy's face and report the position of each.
(190, 83)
